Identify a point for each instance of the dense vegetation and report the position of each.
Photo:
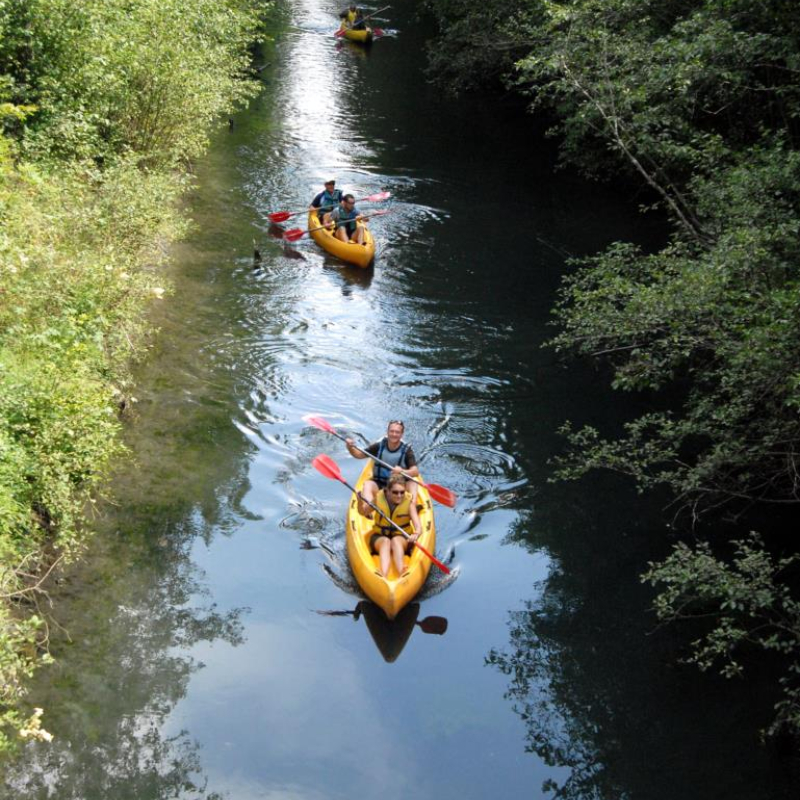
(103, 104)
(700, 101)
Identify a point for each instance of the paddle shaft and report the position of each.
(375, 458)
(369, 198)
(338, 225)
(282, 216)
(368, 16)
(341, 31)
(439, 493)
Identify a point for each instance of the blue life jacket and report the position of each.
(325, 201)
(380, 474)
(340, 215)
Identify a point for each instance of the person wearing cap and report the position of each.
(346, 217)
(393, 451)
(326, 201)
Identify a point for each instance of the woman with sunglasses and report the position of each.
(399, 506)
(395, 452)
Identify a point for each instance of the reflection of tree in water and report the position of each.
(599, 690)
(131, 613)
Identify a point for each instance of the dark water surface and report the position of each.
(197, 664)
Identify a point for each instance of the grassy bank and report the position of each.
(103, 106)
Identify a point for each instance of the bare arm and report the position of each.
(417, 525)
(353, 450)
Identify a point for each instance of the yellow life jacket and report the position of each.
(401, 515)
(351, 17)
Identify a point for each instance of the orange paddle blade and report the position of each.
(328, 467)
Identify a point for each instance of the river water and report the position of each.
(215, 645)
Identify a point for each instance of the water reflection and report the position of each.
(133, 613)
(596, 684)
(344, 47)
(390, 637)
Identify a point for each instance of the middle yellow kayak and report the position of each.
(363, 35)
(393, 592)
(360, 255)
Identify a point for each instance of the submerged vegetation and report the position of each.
(700, 102)
(103, 105)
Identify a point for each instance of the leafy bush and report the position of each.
(102, 104)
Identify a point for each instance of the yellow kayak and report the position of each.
(359, 254)
(394, 592)
(363, 35)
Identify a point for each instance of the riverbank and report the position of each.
(103, 109)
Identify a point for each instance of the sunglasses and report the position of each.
(397, 422)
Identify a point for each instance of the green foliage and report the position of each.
(750, 603)
(110, 76)
(700, 101)
(102, 103)
(479, 42)
(724, 320)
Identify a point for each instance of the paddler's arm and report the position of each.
(417, 525)
(353, 450)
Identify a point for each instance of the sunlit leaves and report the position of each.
(102, 103)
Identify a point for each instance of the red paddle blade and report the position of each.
(293, 234)
(327, 466)
(339, 33)
(279, 216)
(442, 495)
(377, 31)
(319, 422)
(376, 198)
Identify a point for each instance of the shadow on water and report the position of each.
(599, 685)
(390, 637)
(134, 610)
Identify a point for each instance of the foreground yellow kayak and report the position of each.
(360, 255)
(394, 592)
(363, 35)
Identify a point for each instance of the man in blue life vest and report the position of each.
(395, 452)
(326, 201)
(346, 216)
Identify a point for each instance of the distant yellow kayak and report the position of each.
(391, 593)
(360, 255)
(363, 35)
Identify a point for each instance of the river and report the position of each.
(214, 643)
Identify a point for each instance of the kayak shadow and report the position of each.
(391, 637)
(353, 49)
(350, 277)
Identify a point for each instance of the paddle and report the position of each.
(341, 31)
(330, 469)
(282, 216)
(293, 234)
(433, 624)
(439, 493)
